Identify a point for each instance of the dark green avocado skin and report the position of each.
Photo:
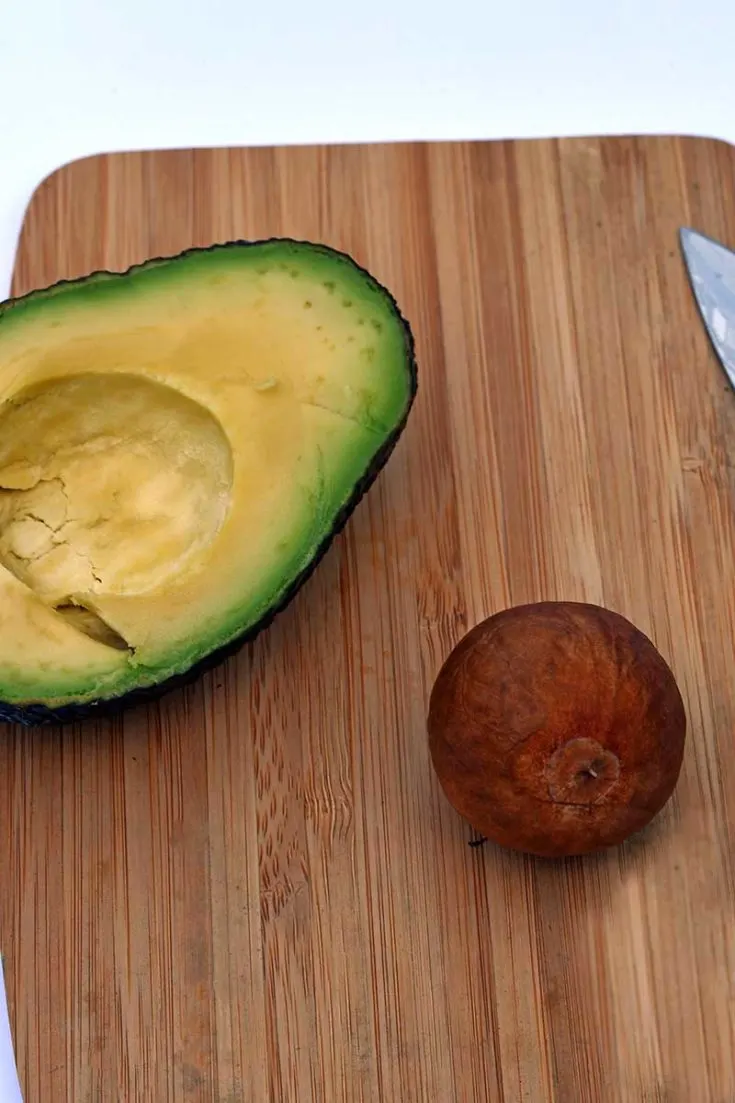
(34, 715)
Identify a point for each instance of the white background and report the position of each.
(85, 76)
(9, 1090)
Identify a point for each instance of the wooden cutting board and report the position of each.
(255, 890)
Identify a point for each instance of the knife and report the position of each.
(711, 268)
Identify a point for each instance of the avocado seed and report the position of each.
(556, 728)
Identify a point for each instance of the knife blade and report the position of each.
(711, 269)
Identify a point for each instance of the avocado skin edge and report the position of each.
(34, 715)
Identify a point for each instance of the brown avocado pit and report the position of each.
(556, 728)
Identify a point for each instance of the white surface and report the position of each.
(86, 76)
(9, 1089)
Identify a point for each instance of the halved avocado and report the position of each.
(179, 443)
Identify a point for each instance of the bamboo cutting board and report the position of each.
(254, 890)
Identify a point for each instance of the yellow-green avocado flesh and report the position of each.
(178, 445)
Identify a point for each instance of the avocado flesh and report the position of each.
(177, 446)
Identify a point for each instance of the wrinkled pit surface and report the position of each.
(109, 484)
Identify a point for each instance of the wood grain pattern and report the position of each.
(255, 891)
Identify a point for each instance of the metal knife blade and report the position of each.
(711, 268)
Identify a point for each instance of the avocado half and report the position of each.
(179, 443)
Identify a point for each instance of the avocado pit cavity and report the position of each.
(109, 484)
